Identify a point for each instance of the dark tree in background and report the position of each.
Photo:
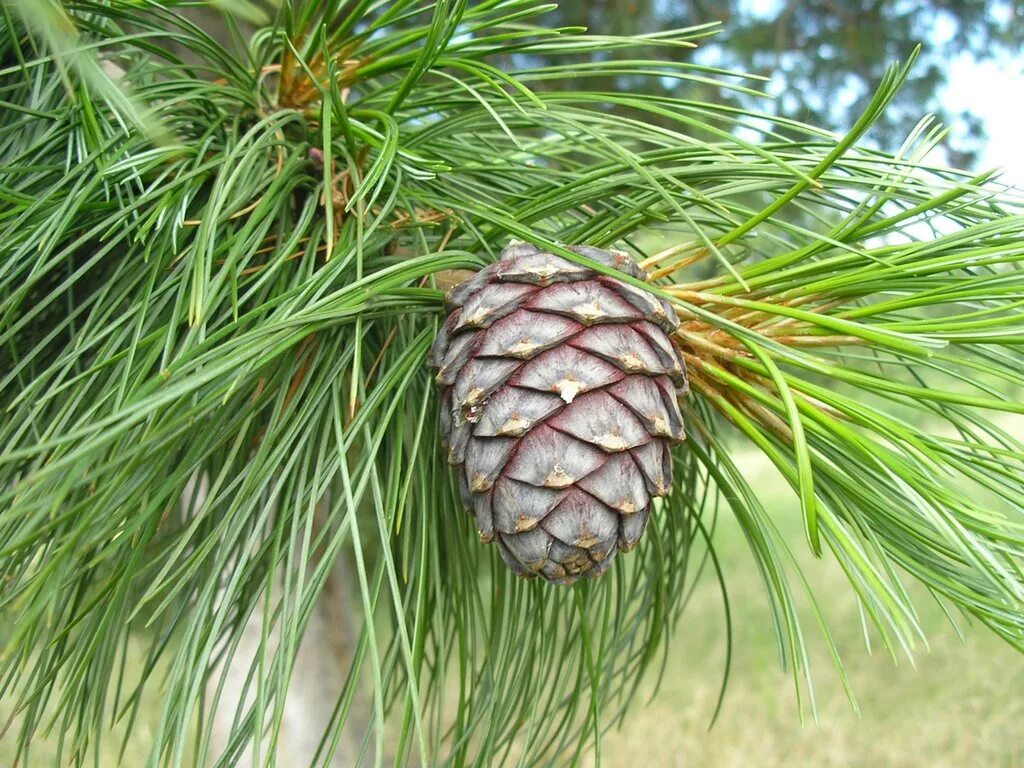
(824, 56)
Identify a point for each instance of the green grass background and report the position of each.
(958, 704)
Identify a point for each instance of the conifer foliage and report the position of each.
(222, 265)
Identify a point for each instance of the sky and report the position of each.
(994, 91)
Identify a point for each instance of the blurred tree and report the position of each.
(824, 56)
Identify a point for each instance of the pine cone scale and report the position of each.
(559, 404)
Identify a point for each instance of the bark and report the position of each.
(323, 661)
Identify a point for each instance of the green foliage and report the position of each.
(217, 291)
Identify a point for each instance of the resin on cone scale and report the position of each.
(559, 404)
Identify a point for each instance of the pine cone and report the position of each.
(559, 404)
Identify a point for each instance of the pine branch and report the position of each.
(245, 307)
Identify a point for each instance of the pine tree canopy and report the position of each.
(223, 259)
